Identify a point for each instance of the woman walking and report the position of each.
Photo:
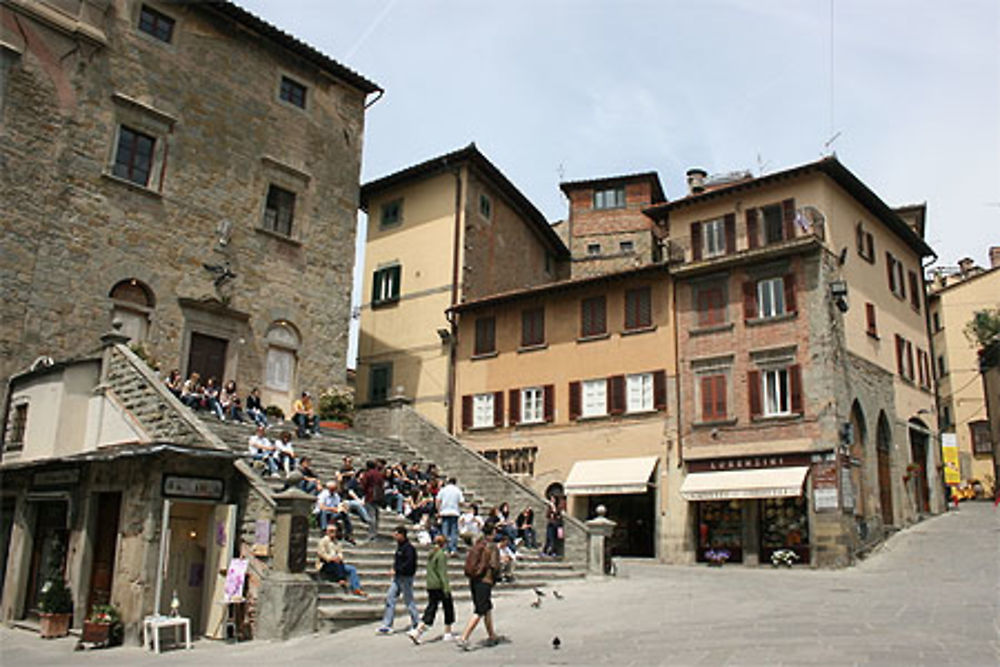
(438, 590)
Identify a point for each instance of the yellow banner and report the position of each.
(949, 457)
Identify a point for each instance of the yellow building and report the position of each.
(954, 297)
(449, 229)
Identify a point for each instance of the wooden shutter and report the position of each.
(376, 284)
(870, 245)
(749, 300)
(574, 400)
(889, 260)
(909, 360)
(753, 389)
(616, 394)
(730, 224)
(498, 408)
(859, 238)
(695, 241)
(707, 402)
(788, 213)
(870, 322)
(789, 283)
(795, 387)
(660, 390)
(466, 412)
(899, 354)
(920, 366)
(396, 272)
(514, 409)
(914, 291)
(753, 238)
(721, 409)
(549, 402)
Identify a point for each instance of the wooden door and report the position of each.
(220, 552)
(105, 548)
(48, 555)
(918, 449)
(207, 357)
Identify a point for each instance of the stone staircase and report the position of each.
(337, 609)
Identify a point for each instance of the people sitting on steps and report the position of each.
(331, 510)
(310, 481)
(285, 452)
(263, 452)
(304, 417)
(330, 562)
(255, 409)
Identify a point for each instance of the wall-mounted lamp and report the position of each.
(444, 335)
(838, 290)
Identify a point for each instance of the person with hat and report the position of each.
(404, 567)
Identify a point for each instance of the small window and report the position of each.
(485, 206)
(914, 291)
(134, 156)
(292, 92)
(639, 392)
(710, 301)
(532, 405)
(392, 213)
(871, 324)
(771, 297)
(483, 415)
(713, 233)
(895, 273)
(936, 319)
(638, 309)
(17, 428)
(595, 397)
(385, 285)
(593, 248)
(626, 247)
(155, 23)
(982, 443)
(609, 198)
(379, 382)
(279, 210)
(486, 341)
(532, 327)
(865, 243)
(713, 397)
(942, 371)
(593, 316)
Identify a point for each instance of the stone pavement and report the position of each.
(931, 595)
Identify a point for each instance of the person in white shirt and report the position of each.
(449, 502)
(470, 525)
(285, 453)
(331, 509)
(262, 450)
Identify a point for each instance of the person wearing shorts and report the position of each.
(481, 567)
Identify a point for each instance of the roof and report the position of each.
(650, 176)
(964, 281)
(243, 17)
(548, 288)
(121, 450)
(472, 156)
(829, 166)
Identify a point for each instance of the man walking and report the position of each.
(404, 567)
(373, 484)
(481, 567)
(449, 502)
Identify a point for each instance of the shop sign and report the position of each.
(949, 457)
(750, 462)
(57, 477)
(825, 496)
(200, 488)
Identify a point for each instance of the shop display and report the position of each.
(784, 525)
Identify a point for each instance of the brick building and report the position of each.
(185, 168)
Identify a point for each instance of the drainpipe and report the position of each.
(453, 317)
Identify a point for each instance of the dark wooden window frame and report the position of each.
(486, 339)
(156, 24)
(134, 156)
(292, 91)
(279, 210)
(638, 308)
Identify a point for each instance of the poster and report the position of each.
(949, 457)
(235, 577)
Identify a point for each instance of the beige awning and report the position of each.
(607, 476)
(736, 484)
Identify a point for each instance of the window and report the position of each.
(532, 327)
(777, 220)
(485, 206)
(713, 397)
(155, 23)
(279, 369)
(17, 427)
(134, 156)
(532, 405)
(593, 248)
(485, 335)
(392, 213)
(774, 227)
(710, 301)
(279, 210)
(924, 368)
(894, 271)
(914, 291)
(483, 411)
(595, 398)
(713, 233)
(593, 320)
(776, 391)
(639, 392)
(609, 198)
(942, 371)
(866, 243)
(982, 443)
(871, 325)
(945, 416)
(904, 358)
(379, 382)
(292, 92)
(771, 297)
(638, 309)
(385, 285)
(936, 319)
(626, 247)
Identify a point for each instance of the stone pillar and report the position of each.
(287, 603)
(598, 531)
(396, 403)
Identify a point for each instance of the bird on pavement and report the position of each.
(556, 643)
(557, 595)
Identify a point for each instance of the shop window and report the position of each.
(593, 317)
(720, 527)
(282, 347)
(486, 341)
(532, 327)
(385, 285)
(638, 309)
(157, 24)
(639, 392)
(784, 524)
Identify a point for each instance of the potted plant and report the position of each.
(785, 557)
(274, 412)
(55, 606)
(716, 557)
(336, 408)
(104, 626)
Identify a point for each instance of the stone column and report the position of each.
(287, 602)
(598, 531)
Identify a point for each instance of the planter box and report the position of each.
(97, 633)
(54, 625)
(333, 425)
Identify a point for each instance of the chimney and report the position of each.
(994, 256)
(696, 180)
(965, 266)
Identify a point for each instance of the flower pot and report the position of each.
(336, 425)
(54, 625)
(98, 633)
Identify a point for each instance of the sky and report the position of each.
(554, 90)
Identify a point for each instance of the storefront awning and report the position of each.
(609, 476)
(736, 484)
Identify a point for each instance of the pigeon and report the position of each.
(556, 643)
(557, 595)
(537, 603)
(539, 592)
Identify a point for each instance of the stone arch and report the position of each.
(132, 304)
(859, 458)
(883, 450)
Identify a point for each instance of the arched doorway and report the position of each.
(858, 458)
(883, 448)
(132, 304)
(919, 444)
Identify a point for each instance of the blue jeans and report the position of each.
(326, 516)
(404, 585)
(272, 465)
(358, 508)
(449, 526)
(341, 571)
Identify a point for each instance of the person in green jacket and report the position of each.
(438, 591)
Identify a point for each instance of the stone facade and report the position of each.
(76, 226)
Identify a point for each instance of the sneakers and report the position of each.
(448, 637)
(462, 645)
(360, 593)
(384, 630)
(414, 636)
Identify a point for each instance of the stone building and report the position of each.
(187, 169)
(954, 296)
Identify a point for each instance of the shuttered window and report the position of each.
(593, 316)
(485, 335)
(638, 309)
(532, 327)
(871, 325)
(713, 397)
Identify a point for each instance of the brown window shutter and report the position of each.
(498, 408)
(872, 325)
(859, 238)
(616, 392)
(514, 409)
(870, 244)
(574, 400)
(753, 389)
(549, 401)
(749, 300)
(909, 360)
(730, 224)
(753, 239)
(789, 283)
(795, 387)
(920, 366)
(466, 412)
(695, 241)
(899, 354)
(721, 409)
(788, 214)
(660, 390)
(889, 272)
(914, 291)
(707, 402)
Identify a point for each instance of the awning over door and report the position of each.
(736, 484)
(608, 476)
